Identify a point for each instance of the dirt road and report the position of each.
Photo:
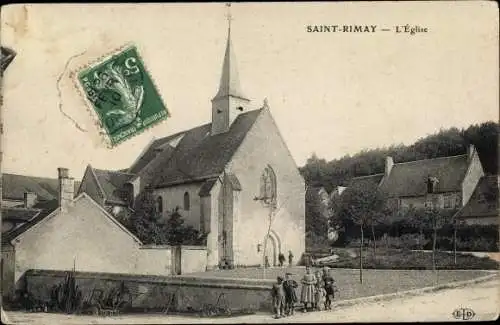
(482, 298)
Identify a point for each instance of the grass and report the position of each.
(375, 282)
(406, 259)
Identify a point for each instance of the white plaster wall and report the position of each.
(95, 242)
(174, 196)
(83, 234)
(193, 259)
(263, 145)
(154, 260)
(474, 173)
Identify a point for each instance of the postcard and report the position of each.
(249, 162)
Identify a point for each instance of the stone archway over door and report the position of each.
(273, 248)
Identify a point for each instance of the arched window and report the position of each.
(159, 204)
(268, 185)
(186, 201)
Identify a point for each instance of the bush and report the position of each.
(407, 241)
(405, 259)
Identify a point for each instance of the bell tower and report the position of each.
(229, 101)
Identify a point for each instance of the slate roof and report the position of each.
(362, 180)
(14, 186)
(18, 214)
(207, 187)
(484, 201)
(44, 208)
(112, 183)
(410, 178)
(198, 156)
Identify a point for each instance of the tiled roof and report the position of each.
(361, 180)
(207, 187)
(484, 201)
(45, 208)
(14, 186)
(410, 178)
(18, 214)
(112, 183)
(198, 155)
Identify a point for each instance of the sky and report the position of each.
(330, 93)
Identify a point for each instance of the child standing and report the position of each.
(289, 285)
(278, 295)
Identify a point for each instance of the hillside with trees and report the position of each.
(446, 142)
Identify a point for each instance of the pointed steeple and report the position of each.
(229, 101)
(229, 81)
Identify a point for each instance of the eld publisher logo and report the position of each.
(463, 313)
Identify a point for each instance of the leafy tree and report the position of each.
(361, 205)
(316, 215)
(437, 218)
(146, 223)
(178, 233)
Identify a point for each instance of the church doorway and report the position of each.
(273, 248)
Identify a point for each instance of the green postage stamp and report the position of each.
(122, 94)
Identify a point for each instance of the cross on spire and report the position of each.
(228, 15)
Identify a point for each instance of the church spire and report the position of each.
(229, 101)
(229, 81)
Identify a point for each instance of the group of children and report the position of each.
(317, 293)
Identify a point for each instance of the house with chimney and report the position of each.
(24, 197)
(80, 234)
(445, 182)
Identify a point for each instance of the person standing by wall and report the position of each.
(281, 259)
(290, 285)
(290, 258)
(307, 296)
(278, 295)
(329, 284)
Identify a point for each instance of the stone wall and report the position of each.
(157, 292)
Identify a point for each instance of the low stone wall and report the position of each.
(159, 292)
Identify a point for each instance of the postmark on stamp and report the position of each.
(121, 93)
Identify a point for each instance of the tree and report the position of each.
(316, 215)
(437, 218)
(177, 233)
(146, 223)
(360, 205)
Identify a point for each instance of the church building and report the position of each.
(233, 179)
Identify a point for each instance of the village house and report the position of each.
(24, 197)
(227, 179)
(483, 206)
(446, 182)
(79, 233)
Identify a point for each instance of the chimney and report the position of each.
(29, 199)
(66, 189)
(388, 165)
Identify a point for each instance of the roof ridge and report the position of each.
(30, 176)
(113, 171)
(371, 175)
(428, 159)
